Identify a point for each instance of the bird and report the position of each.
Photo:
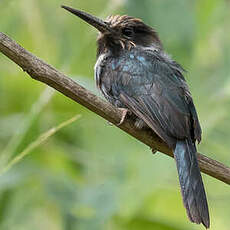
(135, 74)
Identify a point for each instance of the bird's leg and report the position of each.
(124, 114)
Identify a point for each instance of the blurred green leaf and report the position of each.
(40, 140)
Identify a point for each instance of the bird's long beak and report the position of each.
(99, 24)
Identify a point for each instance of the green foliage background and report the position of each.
(91, 175)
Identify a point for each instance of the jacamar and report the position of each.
(134, 73)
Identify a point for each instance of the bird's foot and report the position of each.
(124, 114)
(154, 151)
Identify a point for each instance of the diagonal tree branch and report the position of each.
(41, 71)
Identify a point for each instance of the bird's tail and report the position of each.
(192, 188)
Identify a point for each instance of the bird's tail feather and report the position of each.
(192, 187)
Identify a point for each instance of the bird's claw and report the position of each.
(154, 151)
(124, 114)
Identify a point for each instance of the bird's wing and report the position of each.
(155, 90)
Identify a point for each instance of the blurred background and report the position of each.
(91, 175)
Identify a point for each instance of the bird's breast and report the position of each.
(130, 66)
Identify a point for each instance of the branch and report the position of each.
(41, 71)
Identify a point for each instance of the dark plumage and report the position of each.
(133, 72)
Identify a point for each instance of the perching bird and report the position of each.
(134, 73)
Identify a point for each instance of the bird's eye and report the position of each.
(128, 32)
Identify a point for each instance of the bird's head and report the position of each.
(120, 32)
